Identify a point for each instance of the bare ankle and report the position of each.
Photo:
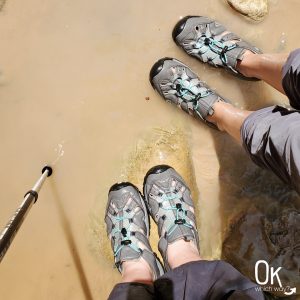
(217, 116)
(248, 64)
(137, 271)
(181, 252)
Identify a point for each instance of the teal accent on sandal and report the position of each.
(180, 213)
(122, 246)
(127, 225)
(184, 90)
(125, 237)
(215, 46)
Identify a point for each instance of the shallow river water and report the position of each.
(74, 94)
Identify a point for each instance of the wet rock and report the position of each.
(253, 236)
(254, 9)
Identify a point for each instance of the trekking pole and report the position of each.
(13, 225)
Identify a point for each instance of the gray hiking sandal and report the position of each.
(178, 84)
(211, 42)
(127, 224)
(169, 202)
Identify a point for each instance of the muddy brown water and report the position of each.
(73, 89)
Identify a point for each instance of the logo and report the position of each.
(272, 277)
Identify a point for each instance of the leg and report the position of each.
(127, 225)
(188, 277)
(267, 67)
(169, 202)
(270, 136)
(207, 280)
(181, 252)
(178, 84)
(132, 291)
(210, 42)
(137, 271)
(282, 71)
(229, 118)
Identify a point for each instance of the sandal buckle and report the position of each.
(126, 242)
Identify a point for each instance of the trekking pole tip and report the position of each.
(49, 169)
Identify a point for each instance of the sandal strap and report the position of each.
(128, 228)
(171, 207)
(230, 36)
(192, 102)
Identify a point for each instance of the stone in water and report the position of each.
(254, 9)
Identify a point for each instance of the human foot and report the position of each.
(127, 224)
(178, 84)
(169, 202)
(211, 42)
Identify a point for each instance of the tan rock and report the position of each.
(254, 9)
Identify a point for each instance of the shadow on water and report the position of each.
(71, 243)
(258, 212)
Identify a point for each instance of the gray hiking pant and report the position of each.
(271, 136)
(193, 281)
